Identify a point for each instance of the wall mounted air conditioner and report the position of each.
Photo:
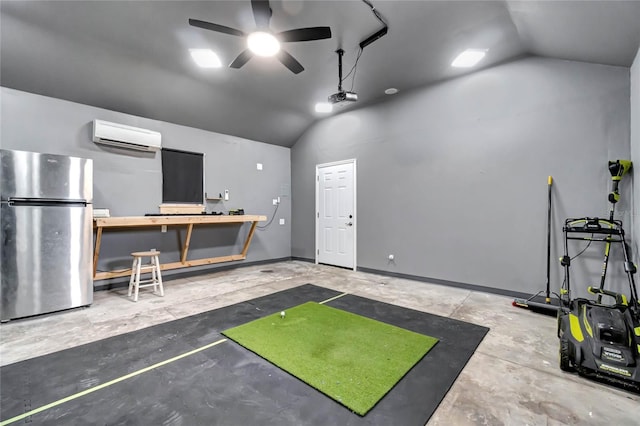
(122, 136)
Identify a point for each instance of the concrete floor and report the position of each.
(512, 379)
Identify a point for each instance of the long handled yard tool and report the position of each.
(617, 169)
(546, 307)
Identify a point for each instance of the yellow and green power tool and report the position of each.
(617, 169)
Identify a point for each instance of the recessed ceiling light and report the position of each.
(206, 58)
(468, 58)
(391, 91)
(263, 44)
(324, 107)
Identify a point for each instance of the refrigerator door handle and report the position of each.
(45, 200)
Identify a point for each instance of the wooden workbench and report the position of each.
(130, 222)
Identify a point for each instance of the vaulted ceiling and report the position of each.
(133, 56)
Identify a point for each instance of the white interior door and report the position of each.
(336, 214)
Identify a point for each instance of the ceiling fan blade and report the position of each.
(261, 12)
(289, 62)
(242, 59)
(304, 34)
(215, 27)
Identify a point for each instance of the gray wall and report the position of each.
(634, 77)
(129, 183)
(452, 178)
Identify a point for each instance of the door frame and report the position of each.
(355, 213)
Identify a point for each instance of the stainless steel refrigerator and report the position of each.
(47, 239)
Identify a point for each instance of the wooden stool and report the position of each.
(153, 267)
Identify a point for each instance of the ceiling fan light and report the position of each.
(205, 58)
(468, 58)
(263, 44)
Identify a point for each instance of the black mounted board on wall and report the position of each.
(182, 176)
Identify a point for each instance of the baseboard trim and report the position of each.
(124, 282)
(448, 283)
(303, 259)
(418, 278)
(456, 284)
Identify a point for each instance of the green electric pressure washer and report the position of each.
(597, 339)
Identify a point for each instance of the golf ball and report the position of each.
(282, 314)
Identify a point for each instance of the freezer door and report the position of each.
(28, 175)
(46, 258)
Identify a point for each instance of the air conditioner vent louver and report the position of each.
(123, 136)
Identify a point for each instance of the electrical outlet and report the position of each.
(275, 201)
(278, 200)
(259, 166)
(281, 221)
(163, 228)
(226, 195)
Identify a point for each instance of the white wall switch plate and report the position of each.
(281, 221)
(226, 195)
(259, 166)
(275, 201)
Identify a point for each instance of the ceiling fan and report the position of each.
(262, 13)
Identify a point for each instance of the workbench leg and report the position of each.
(248, 240)
(185, 248)
(96, 250)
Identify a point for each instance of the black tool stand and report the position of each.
(596, 229)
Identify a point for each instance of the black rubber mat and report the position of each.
(225, 384)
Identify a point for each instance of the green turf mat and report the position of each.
(350, 358)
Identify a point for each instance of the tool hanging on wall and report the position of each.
(549, 306)
(618, 169)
